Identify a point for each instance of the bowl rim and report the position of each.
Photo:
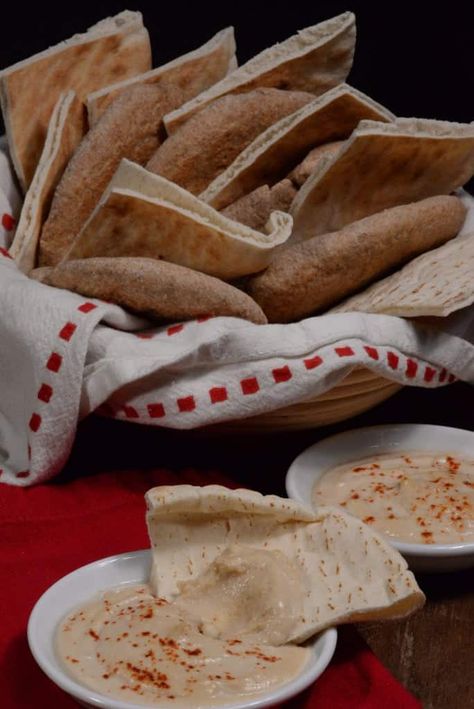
(311, 671)
(456, 549)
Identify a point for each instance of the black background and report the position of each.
(415, 58)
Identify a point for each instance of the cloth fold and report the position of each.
(50, 530)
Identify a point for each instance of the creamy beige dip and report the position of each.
(416, 496)
(208, 647)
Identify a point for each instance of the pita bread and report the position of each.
(142, 214)
(153, 288)
(113, 49)
(383, 165)
(319, 272)
(349, 571)
(191, 73)
(435, 284)
(313, 161)
(274, 153)
(254, 209)
(65, 131)
(130, 128)
(206, 144)
(314, 60)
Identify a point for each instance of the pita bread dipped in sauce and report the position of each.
(417, 497)
(214, 644)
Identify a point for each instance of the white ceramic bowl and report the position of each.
(342, 448)
(79, 586)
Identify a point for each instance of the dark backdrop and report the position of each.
(416, 58)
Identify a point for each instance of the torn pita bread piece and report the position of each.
(436, 284)
(192, 73)
(315, 274)
(275, 152)
(208, 143)
(348, 572)
(142, 214)
(315, 59)
(152, 288)
(112, 50)
(254, 209)
(65, 131)
(383, 165)
(129, 128)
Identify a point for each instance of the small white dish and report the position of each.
(353, 445)
(81, 585)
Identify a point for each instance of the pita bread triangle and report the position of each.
(115, 48)
(206, 144)
(276, 151)
(142, 214)
(193, 72)
(383, 165)
(65, 131)
(317, 273)
(315, 59)
(152, 288)
(349, 571)
(435, 284)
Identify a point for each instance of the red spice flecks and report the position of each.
(428, 536)
(168, 642)
(359, 468)
(196, 651)
(355, 496)
(157, 679)
(234, 642)
(148, 613)
(453, 464)
(369, 520)
(391, 516)
(105, 676)
(145, 633)
(257, 652)
(93, 634)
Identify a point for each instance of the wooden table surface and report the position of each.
(432, 652)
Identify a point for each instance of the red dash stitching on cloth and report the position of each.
(344, 351)
(8, 222)
(54, 364)
(249, 386)
(186, 404)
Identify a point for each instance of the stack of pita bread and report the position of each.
(270, 191)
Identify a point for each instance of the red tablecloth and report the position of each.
(50, 530)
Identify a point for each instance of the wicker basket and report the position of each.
(356, 393)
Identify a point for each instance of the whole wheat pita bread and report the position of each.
(65, 131)
(319, 272)
(349, 571)
(208, 143)
(313, 161)
(130, 128)
(315, 59)
(142, 214)
(254, 209)
(383, 165)
(113, 49)
(275, 152)
(192, 73)
(437, 284)
(153, 288)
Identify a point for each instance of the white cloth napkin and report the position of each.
(63, 356)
